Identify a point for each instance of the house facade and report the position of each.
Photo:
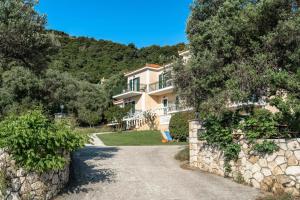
(151, 89)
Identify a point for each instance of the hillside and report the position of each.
(90, 59)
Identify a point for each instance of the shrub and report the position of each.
(37, 143)
(179, 125)
(267, 147)
(116, 114)
(260, 125)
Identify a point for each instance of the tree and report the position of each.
(23, 38)
(241, 50)
(91, 60)
(116, 114)
(150, 118)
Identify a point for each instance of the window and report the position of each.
(134, 84)
(163, 79)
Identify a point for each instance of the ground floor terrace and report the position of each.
(162, 105)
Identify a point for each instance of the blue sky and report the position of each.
(143, 22)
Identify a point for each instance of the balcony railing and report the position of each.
(134, 114)
(131, 88)
(160, 85)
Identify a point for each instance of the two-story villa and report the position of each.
(150, 88)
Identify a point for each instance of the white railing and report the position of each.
(172, 108)
(248, 103)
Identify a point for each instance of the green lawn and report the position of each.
(90, 130)
(135, 138)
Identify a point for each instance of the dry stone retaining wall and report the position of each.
(30, 185)
(278, 172)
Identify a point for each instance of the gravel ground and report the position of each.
(145, 173)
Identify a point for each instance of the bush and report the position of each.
(260, 125)
(179, 125)
(37, 143)
(267, 147)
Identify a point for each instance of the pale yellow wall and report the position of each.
(154, 76)
(141, 75)
(171, 98)
(138, 101)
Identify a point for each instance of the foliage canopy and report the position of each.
(36, 143)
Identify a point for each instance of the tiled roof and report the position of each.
(153, 65)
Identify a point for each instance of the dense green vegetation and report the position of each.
(179, 125)
(243, 51)
(37, 143)
(135, 138)
(92, 60)
(50, 69)
(116, 114)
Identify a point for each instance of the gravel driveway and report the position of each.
(145, 173)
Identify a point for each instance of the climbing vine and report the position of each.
(266, 147)
(257, 124)
(218, 132)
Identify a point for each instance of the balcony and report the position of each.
(161, 88)
(130, 91)
(171, 109)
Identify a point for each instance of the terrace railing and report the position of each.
(160, 85)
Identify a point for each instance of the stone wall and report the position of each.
(30, 185)
(278, 172)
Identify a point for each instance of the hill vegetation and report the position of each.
(91, 60)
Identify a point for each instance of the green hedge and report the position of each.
(37, 143)
(179, 125)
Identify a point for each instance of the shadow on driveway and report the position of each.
(86, 170)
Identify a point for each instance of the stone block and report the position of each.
(280, 160)
(266, 172)
(253, 159)
(255, 183)
(256, 168)
(271, 157)
(283, 146)
(15, 184)
(263, 162)
(293, 170)
(258, 176)
(293, 145)
(297, 154)
(277, 171)
(292, 160)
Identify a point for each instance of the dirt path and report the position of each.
(145, 173)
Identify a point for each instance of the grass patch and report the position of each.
(284, 196)
(183, 155)
(135, 138)
(90, 130)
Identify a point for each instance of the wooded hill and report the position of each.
(91, 60)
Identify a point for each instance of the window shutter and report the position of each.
(131, 85)
(160, 81)
(138, 84)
